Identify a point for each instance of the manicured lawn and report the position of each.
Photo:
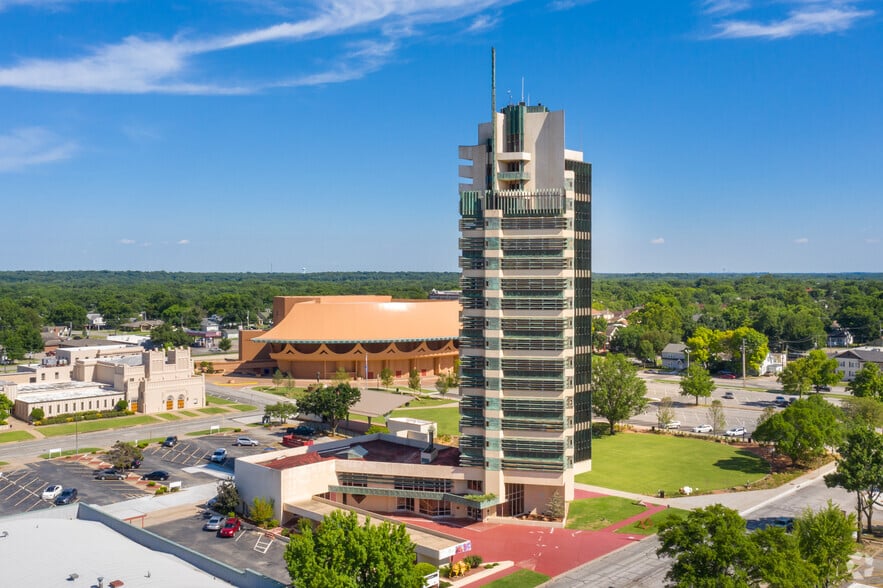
(645, 463)
(286, 391)
(520, 579)
(429, 402)
(242, 407)
(209, 399)
(168, 416)
(11, 436)
(447, 418)
(66, 452)
(591, 514)
(212, 410)
(651, 524)
(187, 413)
(98, 425)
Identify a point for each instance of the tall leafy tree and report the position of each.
(862, 412)
(414, 380)
(123, 453)
(716, 415)
(777, 561)
(332, 403)
(697, 382)
(340, 553)
(796, 377)
(868, 382)
(822, 369)
(825, 540)
(386, 377)
(6, 406)
(860, 470)
(803, 430)
(617, 391)
(710, 548)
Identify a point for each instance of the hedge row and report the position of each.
(92, 415)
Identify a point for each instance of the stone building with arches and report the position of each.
(314, 337)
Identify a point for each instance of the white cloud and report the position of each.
(143, 64)
(872, 240)
(127, 241)
(30, 146)
(483, 22)
(184, 242)
(146, 244)
(567, 4)
(804, 17)
(801, 241)
(657, 241)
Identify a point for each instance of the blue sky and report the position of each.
(264, 135)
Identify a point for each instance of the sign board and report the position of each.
(455, 549)
(54, 450)
(175, 485)
(214, 429)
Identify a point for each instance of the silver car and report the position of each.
(214, 524)
(246, 441)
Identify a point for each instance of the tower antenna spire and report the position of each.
(493, 161)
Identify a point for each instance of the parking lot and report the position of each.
(187, 462)
(238, 552)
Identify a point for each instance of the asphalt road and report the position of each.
(637, 566)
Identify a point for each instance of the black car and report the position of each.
(170, 441)
(67, 496)
(110, 474)
(136, 463)
(158, 475)
(301, 430)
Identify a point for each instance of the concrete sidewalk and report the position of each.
(744, 502)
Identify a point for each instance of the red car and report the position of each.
(727, 376)
(230, 528)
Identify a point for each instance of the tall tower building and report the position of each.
(525, 335)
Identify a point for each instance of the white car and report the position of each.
(672, 425)
(736, 432)
(246, 441)
(219, 456)
(52, 492)
(702, 429)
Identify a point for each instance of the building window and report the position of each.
(405, 504)
(477, 485)
(49, 408)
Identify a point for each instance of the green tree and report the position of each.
(225, 344)
(37, 414)
(227, 499)
(341, 376)
(282, 411)
(414, 380)
(332, 403)
(121, 405)
(862, 412)
(756, 346)
(777, 561)
(68, 313)
(340, 553)
(262, 510)
(647, 352)
(868, 382)
(717, 417)
(710, 548)
(803, 430)
(664, 412)
(703, 345)
(5, 408)
(443, 384)
(122, 454)
(277, 377)
(796, 377)
(167, 336)
(860, 470)
(825, 540)
(822, 369)
(617, 391)
(386, 377)
(696, 382)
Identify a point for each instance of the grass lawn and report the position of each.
(591, 514)
(448, 419)
(646, 463)
(71, 452)
(11, 436)
(98, 425)
(212, 410)
(651, 524)
(520, 579)
(168, 416)
(242, 407)
(187, 413)
(208, 432)
(429, 402)
(209, 399)
(286, 391)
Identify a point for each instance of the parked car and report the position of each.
(219, 456)
(67, 496)
(52, 492)
(781, 401)
(136, 463)
(110, 474)
(158, 475)
(823, 388)
(301, 430)
(246, 441)
(214, 523)
(735, 432)
(170, 441)
(672, 425)
(726, 375)
(729, 396)
(702, 429)
(230, 528)
(786, 523)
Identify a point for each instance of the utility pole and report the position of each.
(743, 363)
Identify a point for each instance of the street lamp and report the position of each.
(687, 351)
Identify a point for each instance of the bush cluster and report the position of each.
(92, 415)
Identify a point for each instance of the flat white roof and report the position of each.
(56, 391)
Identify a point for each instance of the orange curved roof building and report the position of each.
(317, 336)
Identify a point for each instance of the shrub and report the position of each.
(151, 484)
(175, 489)
(37, 414)
(424, 568)
(473, 561)
(161, 490)
(143, 444)
(237, 430)
(273, 524)
(377, 429)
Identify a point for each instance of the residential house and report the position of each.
(674, 356)
(840, 338)
(850, 362)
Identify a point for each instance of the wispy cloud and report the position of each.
(657, 241)
(801, 241)
(184, 242)
(567, 4)
(801, 17)
(872, 240)
(482, 22)
(141, 64)
(127, 241)
(31, 146)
